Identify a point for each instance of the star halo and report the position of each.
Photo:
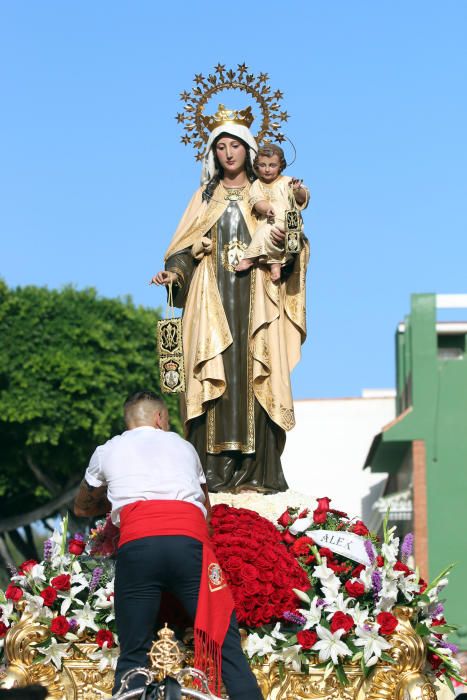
(257, 86)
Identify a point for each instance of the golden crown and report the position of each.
(197, 125)
(223, 116)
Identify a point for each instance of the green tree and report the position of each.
(68, 359)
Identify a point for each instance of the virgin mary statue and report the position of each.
(241, 331)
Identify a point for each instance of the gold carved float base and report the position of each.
(80, 678)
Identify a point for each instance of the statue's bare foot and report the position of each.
(275, 272)
(244, 264)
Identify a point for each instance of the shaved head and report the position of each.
(145, 408)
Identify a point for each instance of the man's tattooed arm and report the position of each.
(91, 500)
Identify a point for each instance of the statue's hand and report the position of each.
(201, 248)
(164, 277)
(278, 236)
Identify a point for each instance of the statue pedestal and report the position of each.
(81, 679)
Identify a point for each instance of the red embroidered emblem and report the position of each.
(216, 577)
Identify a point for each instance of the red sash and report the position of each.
(215, 602)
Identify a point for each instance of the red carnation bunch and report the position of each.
(260, 570)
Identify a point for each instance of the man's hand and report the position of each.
(91, 500)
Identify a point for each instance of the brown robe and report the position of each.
(242, 335)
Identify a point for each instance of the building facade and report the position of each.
(424, 449)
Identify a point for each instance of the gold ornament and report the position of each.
(197, 125)
(165, 656)
(170, 342)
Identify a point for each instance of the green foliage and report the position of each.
(68, 359)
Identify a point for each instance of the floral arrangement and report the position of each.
(303, 601)
(261, 572)
(346, 615)
(70, 594)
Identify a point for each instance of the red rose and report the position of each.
(323, 503)
(301, 546)
(434, 660)
(60, 625)
(288, 538)
(76, 546)
(234, 563)
(26, 566)
(325, 552)
(307, 638)
(285, 519)
(304, 513)
(387, 622)
(438, 622)
(338, 568)
(339, 513)
(399, 566)
(104, 636)
(3, 629)
(49, 596)
(358, 570)
(252, 587)
(359, 528)
(341, 621)
(61, 582)
(354, 588)
(423, 585)
(14, 593)
(379, 560)
(249, 572)
(320, 516)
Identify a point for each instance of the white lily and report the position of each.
(330, 645)
(106, 657)
(290, 656)
(35, 606)
(365, 577)
(330, 588)
(312, 614)
(337, 604)
(6, 609)
(85, 618)
(302, 595)
(71, 596)
(390, 550)
(104, 596)
(37, 573)
(409, 586)
(55, 652)
(373, 644)
(259, 645)
(104, 599)
(360, 615)
(277, 634)
(323, 572)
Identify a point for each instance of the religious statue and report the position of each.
(242, 330)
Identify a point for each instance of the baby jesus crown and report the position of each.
(224, 116)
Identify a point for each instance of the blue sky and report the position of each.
(93, 177)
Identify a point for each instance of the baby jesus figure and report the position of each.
(269, 199)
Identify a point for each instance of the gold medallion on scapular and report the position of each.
(232, 254)
(170, 345)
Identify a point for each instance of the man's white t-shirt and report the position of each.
(147, 464)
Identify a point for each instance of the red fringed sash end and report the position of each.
(208, 658)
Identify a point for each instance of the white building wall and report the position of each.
(325, 452)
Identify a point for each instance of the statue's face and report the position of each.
(231, 155)
(268, 168)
